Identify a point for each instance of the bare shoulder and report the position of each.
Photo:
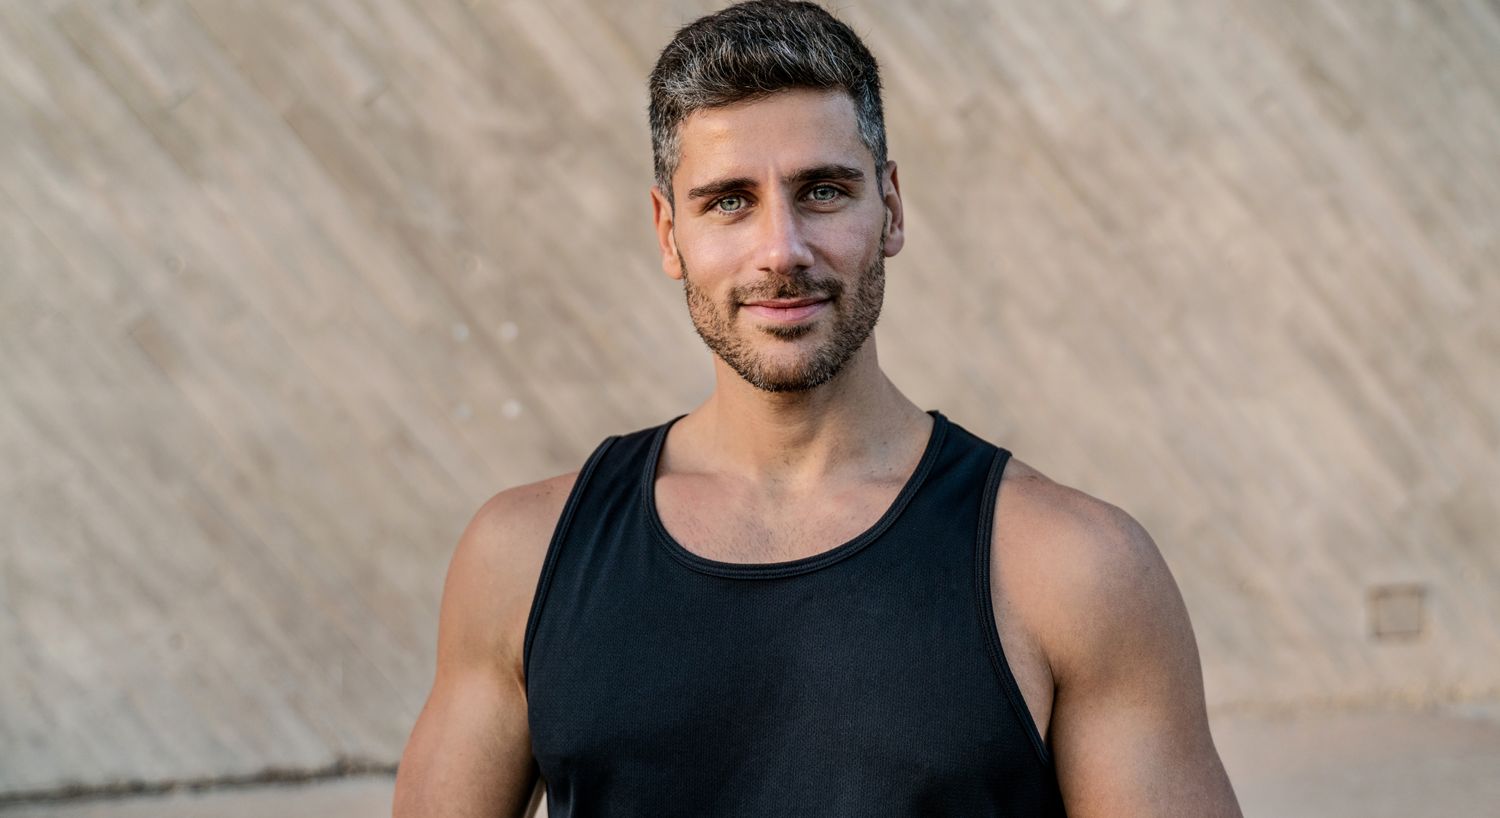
(520, 518)
(494, 571)
(1082, 574)
(1077, 534)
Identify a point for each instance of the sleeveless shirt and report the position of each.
(866, 680)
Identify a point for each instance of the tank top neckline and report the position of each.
(785, 568)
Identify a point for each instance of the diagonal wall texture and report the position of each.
(288, 289)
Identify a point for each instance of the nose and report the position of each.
(781, 246)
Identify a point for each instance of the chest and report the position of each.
(756, 697)
(723, 523)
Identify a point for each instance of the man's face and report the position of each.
(779, 233)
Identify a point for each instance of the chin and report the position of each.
(788, 332)
(799, 370)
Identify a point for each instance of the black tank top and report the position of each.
(867, 680)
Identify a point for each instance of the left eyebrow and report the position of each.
(821, 173)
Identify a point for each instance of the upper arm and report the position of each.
(1130, 734)
(470, 751)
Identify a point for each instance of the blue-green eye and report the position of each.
(824, 193)
(729, 204)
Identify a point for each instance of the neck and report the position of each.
(857, 422)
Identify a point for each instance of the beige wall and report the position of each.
(288, 289)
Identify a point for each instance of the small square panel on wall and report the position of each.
(1397, 612)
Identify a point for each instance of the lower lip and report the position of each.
(786, 313)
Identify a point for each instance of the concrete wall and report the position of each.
(288, 289)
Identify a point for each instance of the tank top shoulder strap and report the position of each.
(607, 483)
(988, 461)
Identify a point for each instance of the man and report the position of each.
(807, 596)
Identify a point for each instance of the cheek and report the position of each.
(711, 262)
(847, 246)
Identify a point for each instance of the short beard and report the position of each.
(854, 319)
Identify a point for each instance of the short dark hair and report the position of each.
(751, 50)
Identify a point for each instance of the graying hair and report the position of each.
(751, 50)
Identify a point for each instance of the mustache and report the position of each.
(797, 285)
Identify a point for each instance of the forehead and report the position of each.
(788, 129)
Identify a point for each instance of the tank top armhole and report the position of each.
(986, 605)
(549, 562)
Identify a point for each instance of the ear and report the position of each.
(895, 221)
(661, 213)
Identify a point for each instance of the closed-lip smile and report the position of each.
(785, 303)
(787, 310)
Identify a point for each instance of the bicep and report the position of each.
(1130, 731)
(469, 753)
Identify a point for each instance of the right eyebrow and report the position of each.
(720, 187)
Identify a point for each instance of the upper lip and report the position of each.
(785, 303)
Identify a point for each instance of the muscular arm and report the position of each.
(469, 755)
(1128, 728)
